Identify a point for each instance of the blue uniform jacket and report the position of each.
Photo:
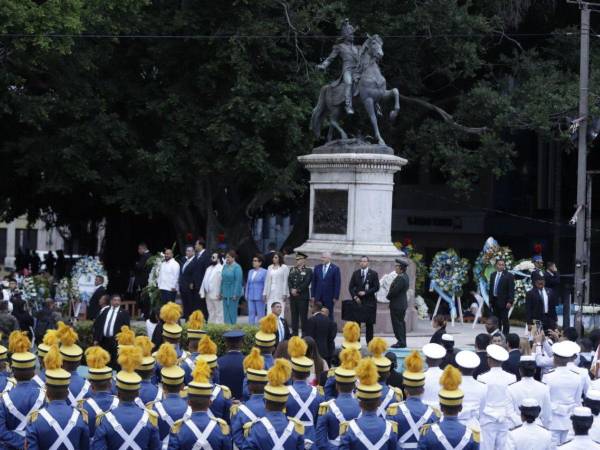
(183, 438)
(231, 366)
(221, 403)
(328, 425)
(269, 361)
(40, 435)
(128, 414)
(175, 407)
(454, 432)
(78, 388)
(373, 427)
(4, 381)
(25, 396)
(188, 365)
(417, 409)
(308, 419)
(259, 439)
(105, 401)
(149, 392)
(329, 388)
(256, 405)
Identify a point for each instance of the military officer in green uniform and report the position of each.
(299, 281)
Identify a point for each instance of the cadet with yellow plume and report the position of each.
(389, 394)
(128, 425)
(26, 397)
(149, 392)
(449, 433)
(50, 339)
(195, 332)
(304, 400)
(254, 408)
(265, 340)
(58, 425)
(221, 396)
(172, 407)
(370, 431)
(71, 356)
(101, 400)
(412, 414)
(274, 429)
(207, 350)
(342, 408)
(200, 428)
(6, 383)
(351, 333)
(169, 330)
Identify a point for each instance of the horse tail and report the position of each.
(318, 113)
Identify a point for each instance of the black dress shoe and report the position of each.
(396, 345)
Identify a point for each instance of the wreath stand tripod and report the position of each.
(455, 301)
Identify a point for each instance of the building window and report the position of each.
(25, 239)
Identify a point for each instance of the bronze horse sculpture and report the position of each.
(371, 88)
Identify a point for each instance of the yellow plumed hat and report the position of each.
(195, 325)
(351, 334)
(97, 359)
(349, 359)
(55, 374)
(297, 351)
(266, 336)
(126, 336)
(278, 375)
(378, 347)
(206, 346)
(368, 387)
(130, 359)
(50, 339)
(19, 345)
(146, 345)
(254, 366)
(413, 375)
(200, 385)
(450, 394)
(170, 314)
(69, 350)
(170, 372)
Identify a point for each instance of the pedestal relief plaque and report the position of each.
(330, 211)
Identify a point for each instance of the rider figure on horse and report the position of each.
(350, 55)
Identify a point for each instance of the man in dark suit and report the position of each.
(326, 283)
(511, 365)
(94, 303)
(322, 330)
(502, 294)
(231, 364)
(540, 304)
(201, 262)
(141, 272)
(283, 330)
(398, 303)
(364, 283)
(481, 342)
(108, 324)
(552, 277)
(186, 281)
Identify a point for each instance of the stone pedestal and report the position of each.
(351, 190)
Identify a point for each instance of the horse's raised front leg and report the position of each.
(370, 108)
(396, 94)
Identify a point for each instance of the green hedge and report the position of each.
(215, 331)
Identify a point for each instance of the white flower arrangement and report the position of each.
(525, 266)
(89, 265)
(66, 290)
(422, 310)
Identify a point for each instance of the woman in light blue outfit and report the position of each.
(254, 290)
(231, 287)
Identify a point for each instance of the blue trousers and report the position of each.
(167, 296)
(256, 311)
(230, 310)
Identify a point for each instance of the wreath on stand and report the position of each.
(34, 290)
(448, 274)
(78, 288)
(151, 289)
(485, 265)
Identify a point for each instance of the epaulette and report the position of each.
(344, 427)
(298, 426)
(392, 410)
(437, 412)
(321, 391)
(226, 392)
(233, 410)
(153, 417)
(33, 416)
(84, 414)
(331, 372)
(247, 427)
(323, 408)
(150, 404)
(99, 418)
(510, 384)
(550, 371)
(398, 392)
(575, 372)
(394, 426)
(177, 426)
(223, 425)
(514, 428)
(425, 429)
(476, 436)
(564, 443)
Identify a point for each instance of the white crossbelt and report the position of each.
(201, 437)
(128, 438)
(38, 380)
(22, 418)
(216, 391)
(278, 441)
(62, 434)
(249, 414)
(386, 401)
(84, 389)
(414, 427)
(444, 441)
(96, 408)
(304, 406)
(169, 420)
(340, 418)
(8, 387)
(190, 363)
(366, 441)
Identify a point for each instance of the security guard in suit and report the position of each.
(411, 415)
(128, 425)
(274, 429)
(529, 434)
(221, 395)
(149, 391)
(200, 427)
(255, 406)
(370, 431)
(231, 364)
(172, 407)
(389, 394)
(304, 400)
(195, 332)
(6, 381)
(265, 340)
(101, 399)
(341, 409)
(26, 397)
(50, 339)
(449, 433)
(71, 354)
(58, 425)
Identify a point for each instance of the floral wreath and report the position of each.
(485, 264)
(151, 288)
(68, 287)
(34, 290)
(448, 274)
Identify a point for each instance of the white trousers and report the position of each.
(559, 436)
(215, 310)
(494, 436)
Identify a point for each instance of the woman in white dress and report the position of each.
(276, 284)
(211, 288)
